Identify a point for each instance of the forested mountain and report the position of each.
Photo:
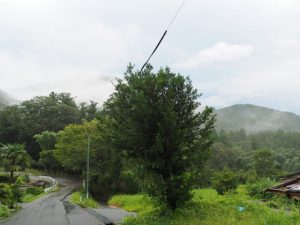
(254, 118)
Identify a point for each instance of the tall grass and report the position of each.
(209, 208)
(80, 199)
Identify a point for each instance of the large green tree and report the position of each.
(14, 157)
(71, 151)
(264, 162)
(18, 124)
(156, 119)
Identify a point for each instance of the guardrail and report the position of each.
(50, 180)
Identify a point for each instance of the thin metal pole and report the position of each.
(88, 167)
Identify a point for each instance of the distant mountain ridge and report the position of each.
(253, 118)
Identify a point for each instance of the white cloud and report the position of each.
(220, 52)
(78, 46)
(270, 85)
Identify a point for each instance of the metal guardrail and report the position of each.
(50, 180)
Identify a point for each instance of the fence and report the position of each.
(50, 180)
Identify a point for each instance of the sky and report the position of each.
(234, 51)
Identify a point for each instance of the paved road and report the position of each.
(53, 209)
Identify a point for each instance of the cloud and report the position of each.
(272, 85)
(219, 53)
(80, 46)
(289, 47)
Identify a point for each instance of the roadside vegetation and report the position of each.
(153, 150)
(16, 191)
(209, 207)
(80, 199)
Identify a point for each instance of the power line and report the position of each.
(164, 34)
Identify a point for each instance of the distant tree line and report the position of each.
(19, 123)
(149, 136)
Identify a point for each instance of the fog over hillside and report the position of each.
(254, 118)
(5, 99)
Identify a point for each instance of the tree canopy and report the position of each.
(156, 120)
(19, 123)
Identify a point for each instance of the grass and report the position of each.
(90, 202)
(207, 207)
(133, 203)
(31, 197)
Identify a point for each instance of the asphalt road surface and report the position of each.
(54, 209)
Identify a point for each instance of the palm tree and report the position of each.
(14, 156)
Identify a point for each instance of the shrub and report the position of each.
(258, 189)
(17, 193)
(6, 195)
(10, 195)
(139, 203)
(34, 190)
(80, 199)
(225, 180)
(4, 211)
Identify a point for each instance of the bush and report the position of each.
(17, 193)
(224, 181)
(23, 179)
(6, 195)
(133, 203)
(258, 189)
(34, 190)
(10, 195)
(4, 211)
(80, 199)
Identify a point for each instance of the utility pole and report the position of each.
(88, 167)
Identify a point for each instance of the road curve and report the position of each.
(53, 209)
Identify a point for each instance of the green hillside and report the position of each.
(254, 118)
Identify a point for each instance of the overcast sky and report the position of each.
(234, 51)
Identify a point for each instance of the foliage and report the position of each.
(72, 144)
(79, 198)
(10, 194)
(34, 190)
(139, 203)
(209, 208)
(31, 197)
(22, 179)
(258, 189)
(270, 154)
(264, 162)
(19, 123)
(4, 211)
(14, 157)
(33, 193)
(88, 112)
(225, 180)
(6, 194)
(48, 161)
(71, 153)
(46, 140)
(155, 120)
